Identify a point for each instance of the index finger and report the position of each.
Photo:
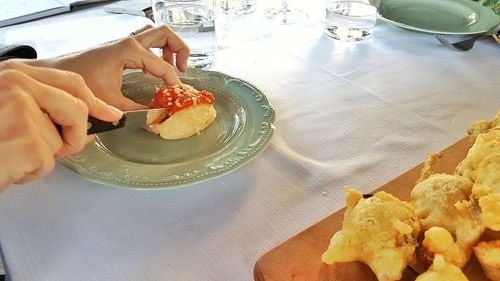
(163, 37)
(73, 84)
(143, 59)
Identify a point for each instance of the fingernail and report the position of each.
(174, 79)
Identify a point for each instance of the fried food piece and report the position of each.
(439, 241)
(489, 203)
(426, 171)
(442, 270)
(434, 200)
(482, 163)
(442, 200)
(490, 211)
(482, 166)
(380, 231)
(488, 255)
(482, 126)
(496, 120)
(478, 128)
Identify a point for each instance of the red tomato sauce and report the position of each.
(178, 97)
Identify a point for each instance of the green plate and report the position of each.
(132, 157)
(458, 17)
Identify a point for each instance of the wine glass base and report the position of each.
(285, 16)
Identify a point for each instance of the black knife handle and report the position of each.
(95, 125)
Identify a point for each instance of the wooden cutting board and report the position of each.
(299, 258)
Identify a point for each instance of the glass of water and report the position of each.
(238, 7)
(285, 14)
(194, 22)
(350, 20)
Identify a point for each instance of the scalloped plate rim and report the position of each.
(263, 142)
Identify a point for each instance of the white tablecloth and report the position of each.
(354, 114)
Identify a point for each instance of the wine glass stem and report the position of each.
(284, 6)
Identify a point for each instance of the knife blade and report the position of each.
(95, 125)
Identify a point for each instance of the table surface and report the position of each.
(354, 114)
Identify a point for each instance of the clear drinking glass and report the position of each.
(349, 20)
(284, 14)
(194, 22)
(238, 7)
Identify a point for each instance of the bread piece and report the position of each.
(186, 112)
(187, 122)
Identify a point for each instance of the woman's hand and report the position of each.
(102, 67)
(32, 99)
(164, 38)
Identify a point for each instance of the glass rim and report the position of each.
(371, 12)
(352, 1)
(210, 13)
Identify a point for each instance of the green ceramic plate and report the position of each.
(133, 157)
(458, 17)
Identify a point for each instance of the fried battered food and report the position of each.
(482, 126)
(482, 163)
(442, 270)
(442, 200)
(379, 231)
(478, 128)
(439, 241)
(434, 199)
(453, 210)
(488, 254)
(489, 202)
(482, 166)
(426, 171)
(490, 211)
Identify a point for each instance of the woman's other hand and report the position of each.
(102, 67)
(32, 99)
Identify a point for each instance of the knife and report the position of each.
(95, 125)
